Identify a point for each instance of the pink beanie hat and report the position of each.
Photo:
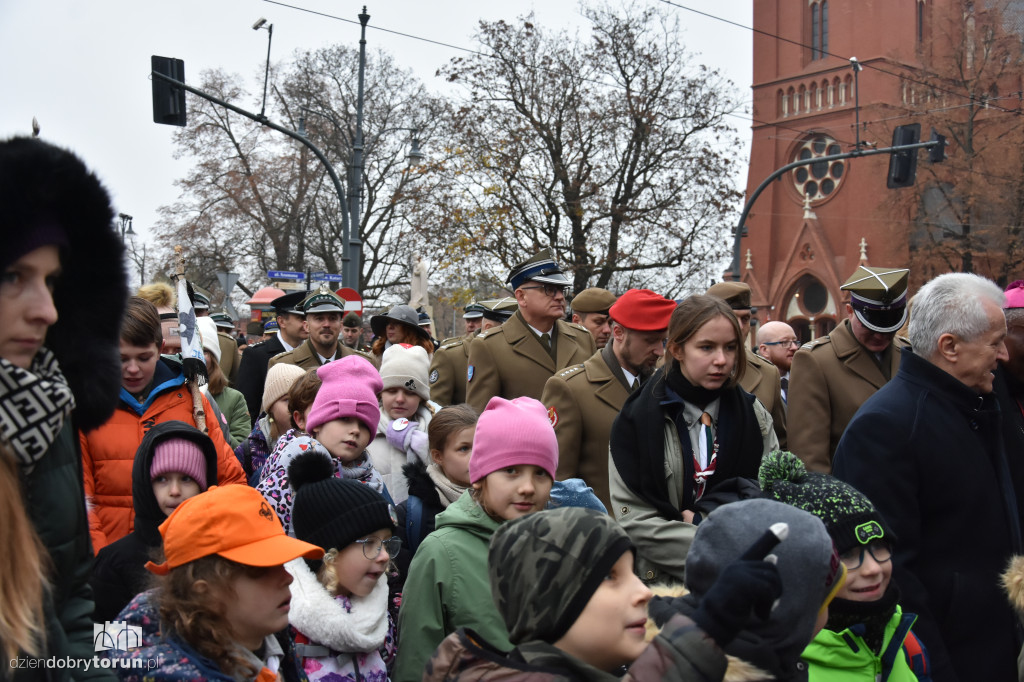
(1015, 295)
(179, 455)
(350, 388)
(513, 433)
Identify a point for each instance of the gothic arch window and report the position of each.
(920, 21)
(804, 101)
(819, 180)
(783, 103)
(819, 28)
(810, 309)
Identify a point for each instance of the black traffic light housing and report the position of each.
(937, 154)
(168, 100)
(903, 164)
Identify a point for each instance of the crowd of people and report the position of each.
(634, 490)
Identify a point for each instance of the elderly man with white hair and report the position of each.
(927, 449)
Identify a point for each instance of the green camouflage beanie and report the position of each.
(546, 566)
(847, 513)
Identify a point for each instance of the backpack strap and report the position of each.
(917, 657)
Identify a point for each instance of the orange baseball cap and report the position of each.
(232, 521)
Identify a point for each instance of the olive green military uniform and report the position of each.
(582, 403)
(762, 379)
(830, 379)
(448, 371)
(510, 360)
(305, 357)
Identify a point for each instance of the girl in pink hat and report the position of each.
(512, 468)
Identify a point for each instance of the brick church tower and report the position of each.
(810, 229)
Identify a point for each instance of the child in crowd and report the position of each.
(300, 402)
(344, 632)
(515, 455)
(867, 633)
(223, 600)
(434, 486)
(564, 584)
(406, 410)
(343, 415)
(255, 449)
(175, 461)
(811, 575)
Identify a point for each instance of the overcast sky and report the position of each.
(82, 68)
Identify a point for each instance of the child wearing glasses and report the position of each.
(339, 608)
(867, 636)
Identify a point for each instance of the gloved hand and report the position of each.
(742, 586)
(406, 436)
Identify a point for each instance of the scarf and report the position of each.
(448, 491)
(34, 403)
(871, 616)
(638, 441)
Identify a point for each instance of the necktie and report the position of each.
(545, 340)
(635, 385)
(785, 389)
(704, 458)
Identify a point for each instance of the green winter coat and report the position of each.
(831, 656)
(232, 406)
(448, 588)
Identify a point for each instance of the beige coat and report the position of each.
(509, 361)
(763, 380)
(448, 371)
(305, 357)
(582, 403)
(230, 357)
(830, 379)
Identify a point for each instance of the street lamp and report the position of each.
(126, 226)
(262, 23)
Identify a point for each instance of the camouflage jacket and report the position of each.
(681, 652)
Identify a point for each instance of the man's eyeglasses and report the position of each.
(372, 546)
(550, 290)
(791, 343)
(879, 551)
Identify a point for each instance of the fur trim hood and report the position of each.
(39, 184)
(1013, 583)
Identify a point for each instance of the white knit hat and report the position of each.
(208, 331)
(280, 379)
(406, 366)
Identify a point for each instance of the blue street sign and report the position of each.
(322, 276)
(285, 274)
(318, 275)
(331, 278)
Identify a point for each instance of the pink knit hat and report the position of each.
(350, 388)
(179, 455)
(1015, 295)
(513, 433)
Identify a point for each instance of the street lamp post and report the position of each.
(355, 172)
(126, 226)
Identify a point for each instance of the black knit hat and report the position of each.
(847, 513)
(334, 512)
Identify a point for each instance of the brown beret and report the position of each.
(593, 300)
(736, 294)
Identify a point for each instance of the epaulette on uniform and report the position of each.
(450, 339)
(451, 343)
(273, 357)
(578, 326)
(569, 371)
(490, 332)
(816, 343)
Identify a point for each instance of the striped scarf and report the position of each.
(34, 403)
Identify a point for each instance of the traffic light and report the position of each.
(903, 164)
(168, 100)
(937, 153)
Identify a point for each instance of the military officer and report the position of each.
(252, 369)
(230, 358)
(833, 376)
(761, 377)
(324, 311)
(473, 316)
(352, 330)
(584, 400)
(450, 362)
(516, 358)
(590, 308)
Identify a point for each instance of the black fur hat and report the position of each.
(43, 187)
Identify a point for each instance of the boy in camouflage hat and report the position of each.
(866, 628)
(563, 581)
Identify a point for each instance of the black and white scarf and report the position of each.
(34, 403)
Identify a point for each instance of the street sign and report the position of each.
(317, 276)
(331, 278)
(322, 276)
(285, 274)
(353, 301)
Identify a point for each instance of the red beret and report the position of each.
(643, 310)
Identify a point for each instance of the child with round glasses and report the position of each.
(339, 607)
(867, 636)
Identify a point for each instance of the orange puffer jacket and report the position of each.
(109, 451)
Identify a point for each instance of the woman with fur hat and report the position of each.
(59, 371)
(867, 633)
(405, 414)
(339, 611)
(172, 452)
(515, 456)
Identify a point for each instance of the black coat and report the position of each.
(928, 451)
(252, 373)
(421, 487)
